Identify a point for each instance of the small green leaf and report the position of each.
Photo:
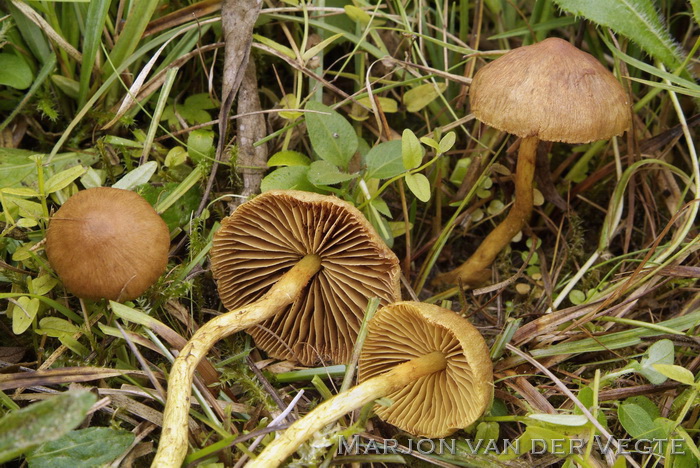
(93, 178)
(288, 158)
(460, 171)
(130, 314)
(200, 144)
(290, 101)
(14, 72)
(56, 327)
(661, 352)
(175, 157)
(577, 297)
(385, 160)
(84, 448)
(20, 192)
(646, 404)
(381, 206)
(389, 105)
(411, 150)
(23, 314)
(573, 420)
(200, 101)
(332, 137)
(139, 176)
(284, 50)
(284, 178)
(309, 54)
(419, 185)
(358, 15)
(63, 179)
(27, 208)
(430, 142)
(325, 173)
(417, 98)
(487, 431)
(637, 422)
(447, 142)
(42, 284)
(495, 207)
(41, 422)
(677, 373)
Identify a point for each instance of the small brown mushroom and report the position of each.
(433, 365)
(107, 243)
(304, 266)
(265, 237)
(548, 91)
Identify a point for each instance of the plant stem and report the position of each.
(173, 442)
(398, 377)
(475, 270)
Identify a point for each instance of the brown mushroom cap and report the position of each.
(107, 243)
(266, 236)
(440, 403)
(553, 91)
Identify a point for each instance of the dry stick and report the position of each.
(281, 448)
(173, 442)
(473, 271)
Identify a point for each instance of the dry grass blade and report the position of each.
(63, 375)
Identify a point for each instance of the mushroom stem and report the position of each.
(400, 376)
(173, 441)
(475, 270)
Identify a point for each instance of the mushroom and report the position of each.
(432, 363)
(301, 265)
(548, 91)
(107, 243)
(266, 237)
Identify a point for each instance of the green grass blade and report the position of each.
(618, 340)
(130, 36)
(31, 33)
(636, 19)
(96, 17)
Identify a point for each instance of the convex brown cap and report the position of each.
(440, 403)
(268, 235)
(107, 243)
(550, 90)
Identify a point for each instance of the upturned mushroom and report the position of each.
(548, 91)
(433, 365)
(107, 243)
(301, 265)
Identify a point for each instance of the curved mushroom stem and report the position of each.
(172, 448)
(475, 270)
(281, 448)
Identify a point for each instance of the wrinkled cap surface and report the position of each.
(107, 243)
(266, 236)
(438, 404)
(553, 91)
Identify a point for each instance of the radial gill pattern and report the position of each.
(440, 403)
(265, 237)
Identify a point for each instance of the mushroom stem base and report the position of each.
(475, 270)
(172, 448)
(398, 377)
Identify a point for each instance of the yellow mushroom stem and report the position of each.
(475, 270)
(172, 448)
(400, 376)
